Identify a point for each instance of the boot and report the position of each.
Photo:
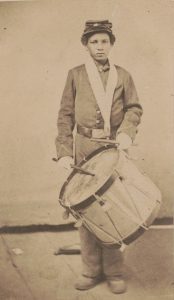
(117, 285)
(86, 283)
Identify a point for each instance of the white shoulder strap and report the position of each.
(103, 98)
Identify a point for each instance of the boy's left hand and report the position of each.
(124, 141)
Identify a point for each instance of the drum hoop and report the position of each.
(132, 237)
(86, 202)
(100, 191)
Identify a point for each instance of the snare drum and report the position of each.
(111, 198)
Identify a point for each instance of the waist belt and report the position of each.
(93, 132)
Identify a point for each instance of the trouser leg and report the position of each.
(112, 260)
(97, 259)
(91, 254)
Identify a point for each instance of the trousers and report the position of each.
(98, 259)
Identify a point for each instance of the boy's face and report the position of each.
(99, 46)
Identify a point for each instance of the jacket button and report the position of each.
(98, 111)
(97, 121)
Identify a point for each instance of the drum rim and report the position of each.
(100, 191)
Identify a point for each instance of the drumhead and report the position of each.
(80, 187)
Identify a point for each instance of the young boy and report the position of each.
(100, 99)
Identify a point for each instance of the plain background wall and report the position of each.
(39, 42)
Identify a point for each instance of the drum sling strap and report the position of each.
(103, 98)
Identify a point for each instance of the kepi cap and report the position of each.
(96, 26)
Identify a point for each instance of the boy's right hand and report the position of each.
(65, 162)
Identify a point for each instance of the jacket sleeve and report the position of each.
(66, 119)
(132, 109)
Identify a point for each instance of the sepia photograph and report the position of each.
(86, 150)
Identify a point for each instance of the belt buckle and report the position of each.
(98, 133)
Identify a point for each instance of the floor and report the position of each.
(29, 268)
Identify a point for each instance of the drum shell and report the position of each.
(123, 208)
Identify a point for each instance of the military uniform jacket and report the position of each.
(79, 106)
